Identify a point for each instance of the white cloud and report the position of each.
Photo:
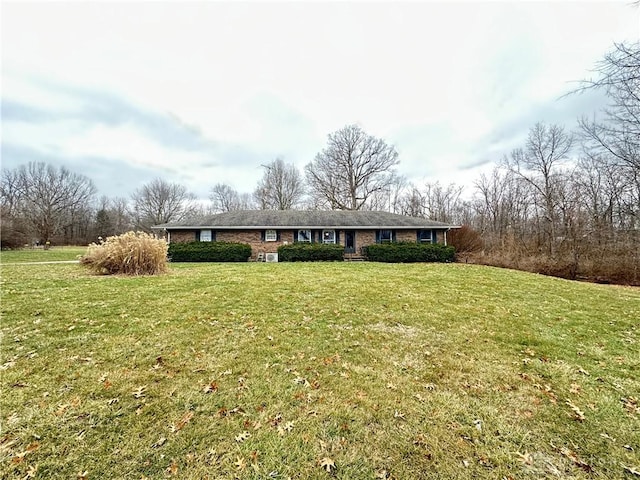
(213, 90)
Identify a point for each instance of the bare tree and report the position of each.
(111, 217)
(225, 198)
(441, 203)
(280, 188)
(352, 168)
(161, 202)
(47, 198)
(538, 165)
(15, 231)
(618, 133)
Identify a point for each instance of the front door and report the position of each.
(349, 242)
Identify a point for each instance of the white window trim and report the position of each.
(270, 236)
(430, 240)
(333, 240)
(390, 240)
(302, 239)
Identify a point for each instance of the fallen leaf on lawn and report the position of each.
(633, 470)
(241, 437)
(240, 463)
(302, 381)
(525, 458)
(32, 447)
(19, 457)
(398, 414)
(573, 456)
(287, 427)
(276, 420)
(31, 471)
(113, 401)
(83, 475)
(161, 441)
(140, 391)
(578, 414)
(575, 388)
(186, 418)
(583, 371)
(211, 387)
(631, 404)
(61, 409)
(236, 410)
(607, 436)
(172, 469)
(327, 464)
(391, 386)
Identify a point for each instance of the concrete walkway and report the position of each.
(40, 263)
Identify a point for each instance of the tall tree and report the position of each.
(352, 168)
(538, 164)
(225, 198)
(49, 199)
(161, 202)
(280, 188)
(617, 132)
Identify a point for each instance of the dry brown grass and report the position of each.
(132, 253)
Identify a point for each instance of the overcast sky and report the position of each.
(206, 92)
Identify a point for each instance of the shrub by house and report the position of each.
(209, 252)
(310, 252)
(409, 252)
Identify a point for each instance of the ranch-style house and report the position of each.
(266, 230)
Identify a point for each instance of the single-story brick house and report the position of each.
(266, 230)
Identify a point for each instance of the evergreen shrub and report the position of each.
(409, 252)
(209, 252)
(310, 252)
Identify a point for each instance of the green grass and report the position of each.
(53, 254)
(386, 371)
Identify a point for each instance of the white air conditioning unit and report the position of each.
(271, 257)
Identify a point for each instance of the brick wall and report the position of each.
(254, 238)
(181, 236)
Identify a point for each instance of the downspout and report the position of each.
(445, 236)
(168, 235)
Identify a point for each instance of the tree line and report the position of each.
(567, 201)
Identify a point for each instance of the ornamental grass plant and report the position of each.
(132, 253)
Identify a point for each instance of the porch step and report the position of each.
(353, 257)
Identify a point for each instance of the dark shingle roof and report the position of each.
(252, 219)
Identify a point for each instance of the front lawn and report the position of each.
(39, 254)
(317, 370)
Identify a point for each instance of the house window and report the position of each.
(304, 236)
(328, 236)
(386, 236)
(425, 236)
(205, 236)
(270, 236)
